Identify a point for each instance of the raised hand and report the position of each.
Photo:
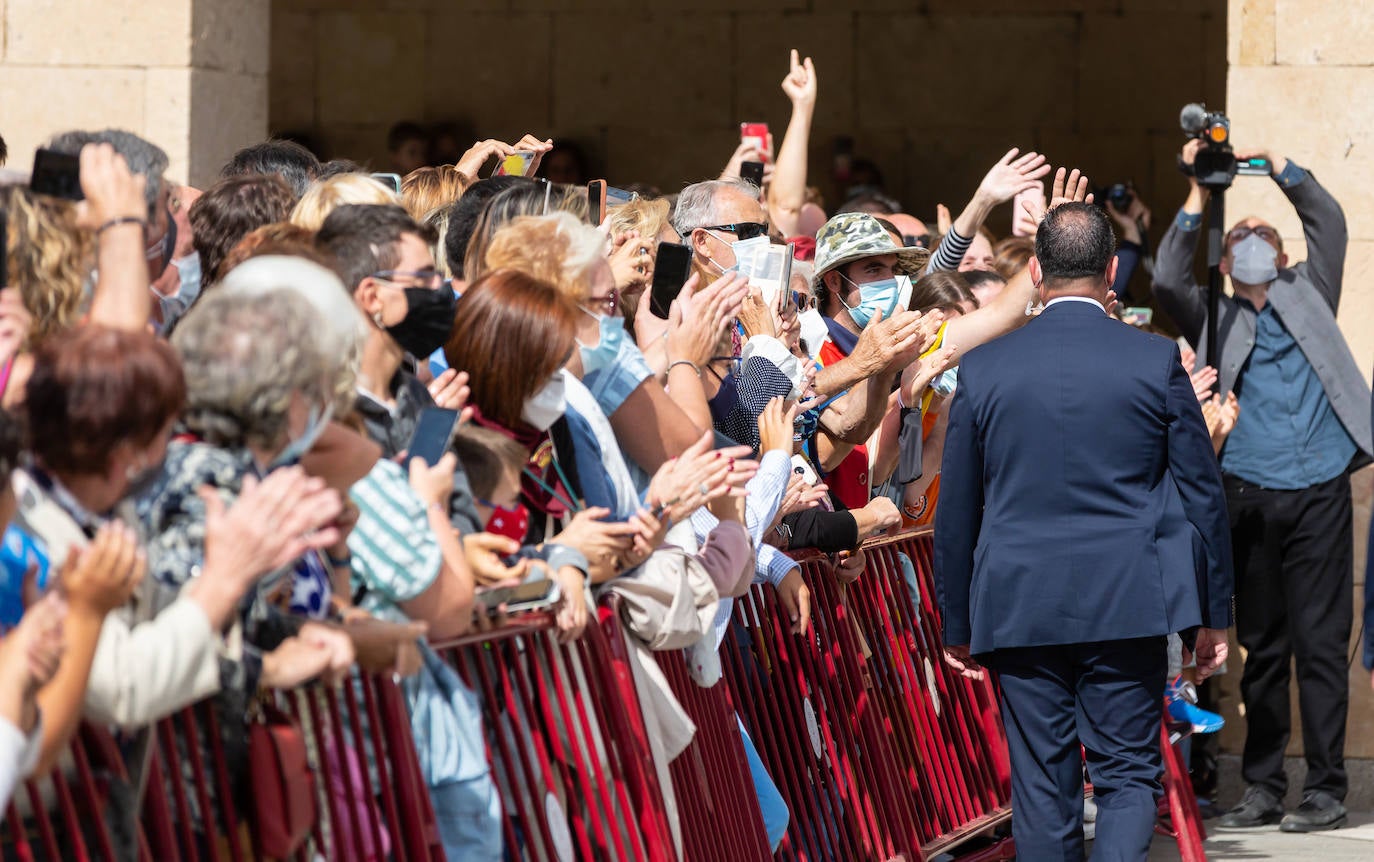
(1203, 380)
(112, 191)
(775, 426)
(698, 320)
(631, 262)
(1072, 188)
(1012, 175)
(471, 162)
(800, 83)
(101, 577)
(270, 523)
(450, 391)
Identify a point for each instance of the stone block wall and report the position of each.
(1299, 72)
(190, 75)
(933, 91)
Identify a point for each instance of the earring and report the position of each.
(377, 319)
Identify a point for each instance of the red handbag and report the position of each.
(284, 802)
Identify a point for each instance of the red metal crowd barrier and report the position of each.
(878, 748)
(567, 744)
(197, 802)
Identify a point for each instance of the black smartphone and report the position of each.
(56, 175)
(671, 267)
(752, 172)
(529, 596)
(433, 433)
(391, 181)
(596, 202)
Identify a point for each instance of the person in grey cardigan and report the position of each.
(1304, 426)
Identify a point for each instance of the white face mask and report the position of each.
(548, 404)
(1253, 261)
(744, 250)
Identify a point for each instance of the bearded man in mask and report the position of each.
(1304, 427)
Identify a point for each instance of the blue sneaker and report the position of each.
(1181, 696)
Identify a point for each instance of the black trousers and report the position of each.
(1294, 583)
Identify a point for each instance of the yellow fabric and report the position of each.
(935, 345)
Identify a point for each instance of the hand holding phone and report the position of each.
(433, 433)
(755, 135)
(517, 164)
(672, 266)
(56, 175)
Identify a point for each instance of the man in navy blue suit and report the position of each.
(1081, 520)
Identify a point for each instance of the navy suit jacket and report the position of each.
(1080, 499)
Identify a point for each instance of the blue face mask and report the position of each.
(614, 367)
(945, 383)
(296, 449)
(874, 296)
(188, 288)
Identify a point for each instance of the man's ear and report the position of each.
(1281, 261)
(1111, 272)
(369, 298)
(1225, 264)
(1037, 275)
(697, 240)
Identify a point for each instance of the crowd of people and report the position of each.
(210, 396)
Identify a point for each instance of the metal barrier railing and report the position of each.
(878, 748)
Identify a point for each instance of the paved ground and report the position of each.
(1354, 842)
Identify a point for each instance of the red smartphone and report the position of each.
(756, 136)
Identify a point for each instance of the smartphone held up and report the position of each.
(755, 136)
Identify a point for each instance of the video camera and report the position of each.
(1216, 164)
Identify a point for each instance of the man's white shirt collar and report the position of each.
(1086, 299)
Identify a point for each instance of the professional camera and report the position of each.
(1216, 165)
(1119, 195)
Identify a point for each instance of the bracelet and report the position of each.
(687, 362)
(122, 220)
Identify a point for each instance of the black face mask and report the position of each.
(428, 320)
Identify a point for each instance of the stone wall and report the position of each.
(933, 91)
(190, 75)
(1299, 74)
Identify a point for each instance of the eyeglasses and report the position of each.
(1263, 231)
(610, 300)
(803, 301)
(427, 278)
(743, 229)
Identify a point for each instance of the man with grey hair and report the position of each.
(714, 215)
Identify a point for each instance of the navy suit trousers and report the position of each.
(1108, 696)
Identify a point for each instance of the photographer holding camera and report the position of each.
(1304, 425)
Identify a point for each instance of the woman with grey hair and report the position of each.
(259, 393)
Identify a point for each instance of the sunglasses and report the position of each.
(743, 230)
(1264, 232)
(803, 301)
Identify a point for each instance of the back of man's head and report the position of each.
(287, 159)
(1075, 241)
(142, 156)
(462, 218)
(363, 239)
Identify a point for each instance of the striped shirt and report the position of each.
(396, 556)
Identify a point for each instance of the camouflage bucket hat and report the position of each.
(851, 236)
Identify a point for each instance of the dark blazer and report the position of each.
(1080, 499)
(1306, 297)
